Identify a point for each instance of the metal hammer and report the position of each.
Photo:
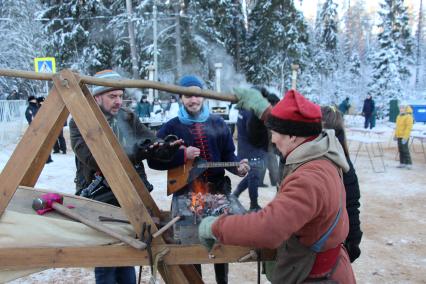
(52, 201)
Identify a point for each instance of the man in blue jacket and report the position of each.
(206, 136)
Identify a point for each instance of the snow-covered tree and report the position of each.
(70, 26)
(390, 62)
(326, 39)
(21, 41)
(277, 37)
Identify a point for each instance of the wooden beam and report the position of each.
(127, 83)
(140, 188)
(31, 153)
(18, 258)
(53, 101)
(104, 147)
(112, 160)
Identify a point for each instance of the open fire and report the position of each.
(205, 204)
(198, 204)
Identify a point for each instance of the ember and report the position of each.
(196, 205)
(209, 204)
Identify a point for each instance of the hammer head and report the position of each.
(44, 203)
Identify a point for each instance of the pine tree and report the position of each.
(327, 39)
(390, 62)
(277, 37)
(70, 26)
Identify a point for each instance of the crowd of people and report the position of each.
(313, 220)
(166, 108)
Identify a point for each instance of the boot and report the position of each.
(254, 207)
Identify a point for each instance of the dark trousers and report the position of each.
(272, 165)
(113, 275)
(220, 270)
(404, 153)
(368, 121)
(250, 181)
(60, 144)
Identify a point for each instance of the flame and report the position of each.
(199, 189)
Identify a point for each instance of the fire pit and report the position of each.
(197, 204)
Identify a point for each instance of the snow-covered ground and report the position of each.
(392, 215)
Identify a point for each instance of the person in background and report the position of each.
(368, 111)
(271, 162)
(208, 137)
(13, 96)
(249, 149)
(307, 221)
(60, 144)
(33, 107)
(138, 143)
(157, 110)
(143, 108)
(344, 106)
(333, 119)
(403, 127)
(174, 108)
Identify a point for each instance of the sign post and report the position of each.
(45, 65)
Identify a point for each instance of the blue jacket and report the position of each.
(215, 135)
(246, 150)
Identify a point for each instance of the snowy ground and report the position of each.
(392, 213)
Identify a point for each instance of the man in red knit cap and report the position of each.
(307, 221)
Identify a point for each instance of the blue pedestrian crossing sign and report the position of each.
(45, 64)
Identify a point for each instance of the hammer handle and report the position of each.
(98, 226)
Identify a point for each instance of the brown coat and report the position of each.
(306, 206)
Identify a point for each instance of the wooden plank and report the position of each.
(92, 209)
(53, 101)
(110, 158)
(17, 258)
(31, 153)
(143, 193)
(104, 147)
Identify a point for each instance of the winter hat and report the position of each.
(30, 98)
(295, 115)
(105, 74)
(190, 81)
(40, 99)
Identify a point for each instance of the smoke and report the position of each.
(230, 78)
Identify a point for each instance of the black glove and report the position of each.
(353, 250)
(161, 150)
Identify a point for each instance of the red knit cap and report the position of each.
(295, 115)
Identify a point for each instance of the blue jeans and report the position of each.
(113, 275)
(250, 181)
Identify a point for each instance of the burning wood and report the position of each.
(196, 205)
(204, 205)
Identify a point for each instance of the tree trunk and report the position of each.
(178, 42)
(419, 44)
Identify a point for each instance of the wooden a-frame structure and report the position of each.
(70, 94)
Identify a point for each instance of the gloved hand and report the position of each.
(205, 234)
(353, 250)
(404, 141)
(159, 150)
(251, 99)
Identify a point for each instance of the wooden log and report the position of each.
(126, 83)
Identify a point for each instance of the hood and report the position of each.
(325, 145)
(408, 109)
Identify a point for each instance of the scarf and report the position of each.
(187, 119)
